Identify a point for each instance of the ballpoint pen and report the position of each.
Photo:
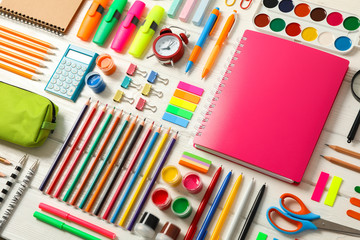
(207, 31)
(223, 35)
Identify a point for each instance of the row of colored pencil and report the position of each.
(104, 180)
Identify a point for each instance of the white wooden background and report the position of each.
(24, 226)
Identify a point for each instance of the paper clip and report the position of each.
(147, 88)
(154, 75)
(241, 4)
(128, 82)
(133, 69)
(120, 95)
(141, 105)
(229, 4)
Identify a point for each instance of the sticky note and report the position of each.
(186, 96)
(320, 186)
(261, 236)
(333, 190)
(175, 119)
(190, 88)
(183, 104)
(179, 112)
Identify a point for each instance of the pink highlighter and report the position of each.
(128, 26)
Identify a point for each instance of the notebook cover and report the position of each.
(272, 105)
(47, 12)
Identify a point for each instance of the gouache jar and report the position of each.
(161, 198)
(106, 64)
(181, 207)
(95, 82)
(171, 175)
(192, 182)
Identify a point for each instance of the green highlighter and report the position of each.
(60, 225)
(109, 21)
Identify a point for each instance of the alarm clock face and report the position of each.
(168, 45)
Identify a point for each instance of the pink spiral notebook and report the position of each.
(271, 105)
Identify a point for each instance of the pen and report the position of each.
(109, 21)
(223, 35)
(127, 26)
(214, 206)
(207, 31)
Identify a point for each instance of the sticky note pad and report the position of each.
(190, 88)
(186, 96)
(175, 119)
(195, 162)
(261, 236)
(175, 5)
(179, 112)
(333, 190)
(320, 186)
(183, 104)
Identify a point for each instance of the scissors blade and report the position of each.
(335, 227)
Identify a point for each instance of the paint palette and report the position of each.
(309, 23)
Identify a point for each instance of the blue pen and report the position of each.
(207, 31)
(136, 174)
(219, 195)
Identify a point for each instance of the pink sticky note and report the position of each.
(190, 88)
(320, 186)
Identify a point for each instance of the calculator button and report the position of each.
(56, 88)
(75, 83)
(69, 81)
(50, 86)
(74, 70)
(65, 74)
(62, 78)
(83, 68)
(61, 66)
(65, 85)
(80, 73)
(63, 91)
(63, 61)
(71, 91)
(68, 63)
(77, 78)
(56, 76)
(71, 75)
(67, 69)
(58, 71)
(73, 65)
(78, 67)
(59, 83)
(53, 80)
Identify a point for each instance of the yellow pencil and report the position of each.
(143, 180)
(225, 212)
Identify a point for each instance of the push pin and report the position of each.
(133, 69)
(141, 105)
(119, 95)
(154, 75)
(128, 82)
(147, 88)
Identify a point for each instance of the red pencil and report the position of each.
(78, 156)
(72, 149)
(192, 229)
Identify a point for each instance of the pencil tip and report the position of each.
(322, 156)
(327, 144)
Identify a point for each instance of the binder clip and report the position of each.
(127, 82)
(141, 105)
(154, 75)
(120, 95)
(133, 69)
(147, 88)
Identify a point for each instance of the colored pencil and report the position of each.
(225, 212)
(88, 156)
(136, 175)
(119, 167)
(21, 57)
(2, 174)
(111, 166)
(252, 213)
(93, 165)
(344, 151)
(64, 146)
(24, 50)
(152, 183)
(146, 174)
(72, 149)
(79, 153)
(127, 173)
(103, 165)
(27, 37)
(19, 64)
(5, 161)
(342, 163)
(192, 229)
(18, 72)
(25, 43)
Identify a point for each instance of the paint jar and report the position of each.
(168, 232)
(106, 64)
(161, 198)
(181, 207)
(146, 226)
(171, 175)
(95, 82)
(192, 182)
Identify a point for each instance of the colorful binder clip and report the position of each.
(133, 69)
(154, 75)
(128, 82)
(120, 95)
(147, 90)
(141, 105)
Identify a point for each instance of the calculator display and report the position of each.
(79, 56)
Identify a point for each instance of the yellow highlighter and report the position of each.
(146, 31)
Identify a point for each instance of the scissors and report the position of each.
(304, 219)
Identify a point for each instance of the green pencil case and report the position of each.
(27, 118)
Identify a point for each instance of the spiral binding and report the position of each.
(31, 21)
(219, 88)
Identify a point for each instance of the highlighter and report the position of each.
(146, 31)
(128, 26)
(91, 19)
(109, 21)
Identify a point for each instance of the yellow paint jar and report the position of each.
(171, 175)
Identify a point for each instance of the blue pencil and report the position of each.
(209, 216)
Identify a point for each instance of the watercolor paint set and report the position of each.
(309, 23)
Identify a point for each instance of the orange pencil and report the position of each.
(27, 37)
(21, 57)
(342, 163)
(19, 64)
(110, 167)
(18, 72)
(24, 50)
(25, 43)
(2, 174)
